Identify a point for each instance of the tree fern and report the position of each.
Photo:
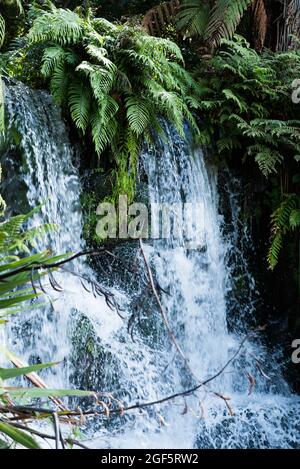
(224, 19)
(211, 20)
(111, 77)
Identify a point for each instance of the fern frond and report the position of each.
(102, 25)
(275, 249)
(100, 54)
(62, 26)
(266, 158)
(230, 95)
(2, 30)
(104, 124)
(167, 47)
(224, 18)
(193, 17)
(295, 219)
(51, 58)
(59, 83)
(281, 225)
(79, 100)
(138, 115)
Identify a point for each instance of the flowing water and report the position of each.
(194, 274)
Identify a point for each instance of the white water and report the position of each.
(195, 283)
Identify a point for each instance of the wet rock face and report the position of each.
(13, 187)
(95, 367)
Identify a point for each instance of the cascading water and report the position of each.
(193, 279)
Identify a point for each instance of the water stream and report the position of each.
(194, 274)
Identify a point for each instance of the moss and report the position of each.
(95, 367)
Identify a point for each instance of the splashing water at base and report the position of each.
(193, 285)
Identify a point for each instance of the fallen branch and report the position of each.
(138, 405)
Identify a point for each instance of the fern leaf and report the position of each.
(51, 58)
(138, 115)
(193, 17)
(59, 84)
(79, 100)
(2, 30)
(62, 26)
(224, 19)
(230, 95)
(295, 219)
(274, 250)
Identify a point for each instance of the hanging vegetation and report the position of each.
(116, 81)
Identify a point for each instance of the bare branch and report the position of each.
(163, 314)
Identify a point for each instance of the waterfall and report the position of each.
(194, 278)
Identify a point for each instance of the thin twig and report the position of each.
(142, 405)
(163, 313)
(56, 430)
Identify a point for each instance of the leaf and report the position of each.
(193, 17)
(138, 114)
(62, 26)
(2, 30)
(8, 373)
(79, 100)
(295, 219)
(230, 95)
(225, 16)
(13, 301)
(39, 393)
(18, 436)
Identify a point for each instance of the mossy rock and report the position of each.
(95, 367)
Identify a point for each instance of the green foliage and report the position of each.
(2, 121)
(18, 436)
(116, 82)
(211, 20)
(17, 274)
(8, 373)
(10, 10)
(58, 25)
(247, 108)
(285, 218)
